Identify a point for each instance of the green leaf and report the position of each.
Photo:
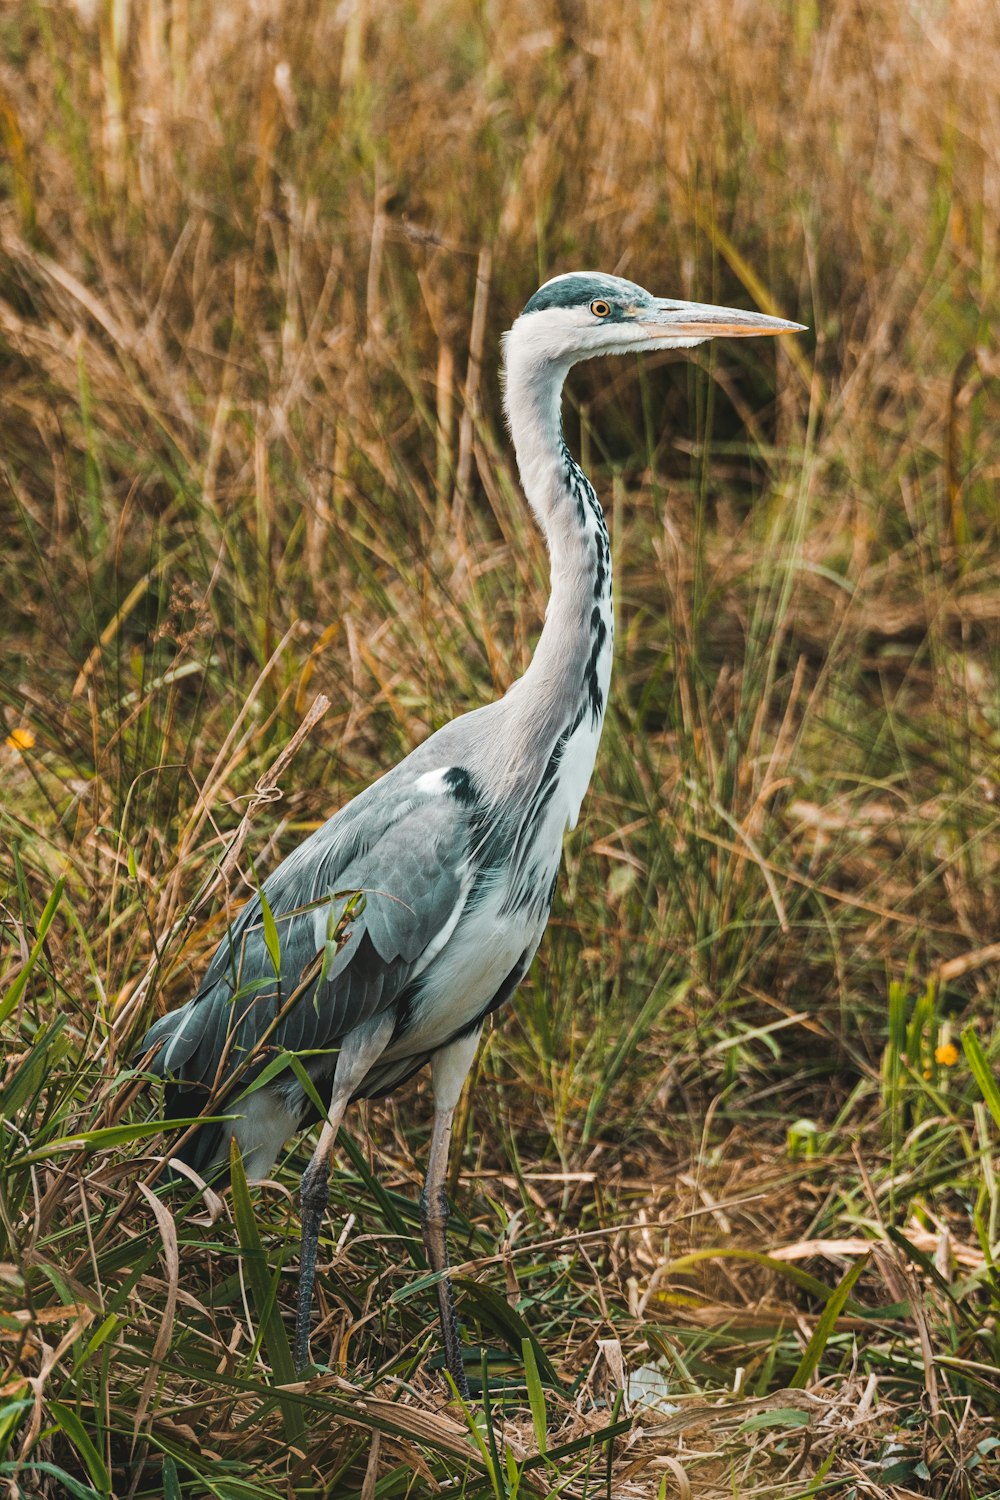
(16, 990)
(589, 1439)
(394, 1219)
(824, 1328)
(103, 1331)
(306, 1083)
(925, 1264)
(22, 1078)
(12, 1411)
(656, 1005)
(477, 1437)
(71, 1425)
(271, 940)
(496, 1473)
(492, 1308)
(981, 1071)
(782, 1416)
(536, 1396)
(73, 1486)
(336, 925)
(171, 1483)
(896, 1470)
(800, 1278)
(109, 1135)
(239, 1489)
(280, 1064)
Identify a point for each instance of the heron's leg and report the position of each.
(449, 1070)
(358, 1052)
(434, 1223)
(315, 1195)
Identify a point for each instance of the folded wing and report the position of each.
(355, 922)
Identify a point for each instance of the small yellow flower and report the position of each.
(22, 738)
(946, 1056)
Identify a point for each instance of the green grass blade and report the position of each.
(492, 1308)
(793, 1273)
(22, 1077)
(536, 1395)
(578, 1445)
(781, 1416)
(393, 1217)
(263, 1290)
(272, 942)
(78, 1435)
(16, 990)
(72, 1486)
(496, 1468)
(106, 1137)
(171, 1483)
(982, 1072)
(824, 1328)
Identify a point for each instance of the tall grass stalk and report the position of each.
(261, 533)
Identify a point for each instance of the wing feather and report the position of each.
(411, 874)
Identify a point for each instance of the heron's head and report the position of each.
(584, 313)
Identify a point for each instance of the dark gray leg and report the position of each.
(315, 1194)
(358, 1051)
(434, 1223)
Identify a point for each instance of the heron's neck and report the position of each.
(571, 668)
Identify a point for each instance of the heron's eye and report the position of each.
(600, 309)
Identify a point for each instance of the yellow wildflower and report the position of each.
(946, 1056)
(22, 738)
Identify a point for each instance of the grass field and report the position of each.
(735, 1144)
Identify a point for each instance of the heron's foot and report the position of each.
(315, 1196)
(452, 1338)
(434, 1223)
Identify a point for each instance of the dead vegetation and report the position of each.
(727, 1203)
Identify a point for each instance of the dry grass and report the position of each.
(254, 266)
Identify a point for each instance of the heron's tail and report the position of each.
(170, 1051)
(205, 1150)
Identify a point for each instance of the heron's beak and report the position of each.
(698, 320)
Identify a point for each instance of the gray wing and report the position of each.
(413, 876)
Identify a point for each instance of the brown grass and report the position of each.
(255, 262)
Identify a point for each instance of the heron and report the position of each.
(386, 939)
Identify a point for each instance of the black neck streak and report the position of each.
(592, 523)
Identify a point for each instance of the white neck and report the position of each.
(571, 667)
